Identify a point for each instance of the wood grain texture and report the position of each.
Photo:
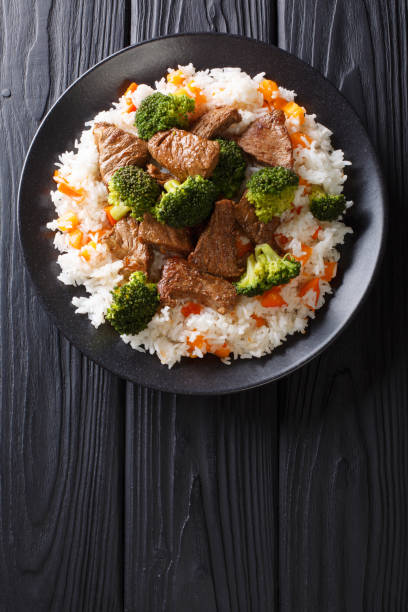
(150, 18)
(61, 427)
(200, 501)
(344, 419)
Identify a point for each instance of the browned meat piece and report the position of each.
(164, 236)
(158, 175)
(257, 231)
(216, 251)
(118, 148)
(181, 280)
(183, 153)
(267, 139)
(215, 121)
(123, 242)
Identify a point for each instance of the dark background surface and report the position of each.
(293, 497)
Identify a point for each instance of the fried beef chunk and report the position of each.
(267, 139)
(117, 148)
(216, 252)
(124, 243)
(184, 154)
(215, 121)
(165, 237)
(181, 280)
(158, 175)
(257, 231)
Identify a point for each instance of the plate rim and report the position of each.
(328, 341)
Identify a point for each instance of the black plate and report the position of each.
(146, 63)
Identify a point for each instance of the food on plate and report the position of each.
(229, 173)
(267, 139)
(181, 279)
(271, 191)
(159, 112)
(201, 215)
(184, 154)
(255, 229)
(118, 148)
(164, 237)
(132, 190)
(326, 207)
(133, 304)
(216, 249)
(123, 242)
(266, 269)
(185, 204)
(215, 121)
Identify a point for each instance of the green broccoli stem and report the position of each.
(266, 250)
(171, 185)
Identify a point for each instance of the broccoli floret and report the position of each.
(186, 204)
(230, 170)
(265, 269)
(160, 112)
(326, 207)
(134, 304)
(271, 191)
(133, 187)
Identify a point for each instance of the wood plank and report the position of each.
(343, 419)
(61, 428)
(201, 473)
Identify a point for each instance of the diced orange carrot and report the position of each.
(279, 103)
(242, 247)
(199, 342)
(176, 77)
(330, 270)
(130, 107)
(303, 181)
(191, 308)
(85, 252)
(299, 139)
(307, 253)
(294, 111)
(107, 210)
(272, 298)
(269, 89)
(75, 238)
(76, 194)
(67, 221)
(316, 232)
(197, 93)
(222, 352)
(312, 285)
(132, 87)
(259, 321)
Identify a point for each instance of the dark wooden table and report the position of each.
(293, 497)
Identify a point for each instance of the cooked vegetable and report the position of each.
(186, 204)
(230, 170)
(133, 187)
(160, 112)
(265, 269)
(326, 207)
(294, 111)
(272, 298)
(119, 211)
(271, 191)
(134, 304)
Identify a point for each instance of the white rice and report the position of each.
(170, 334)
